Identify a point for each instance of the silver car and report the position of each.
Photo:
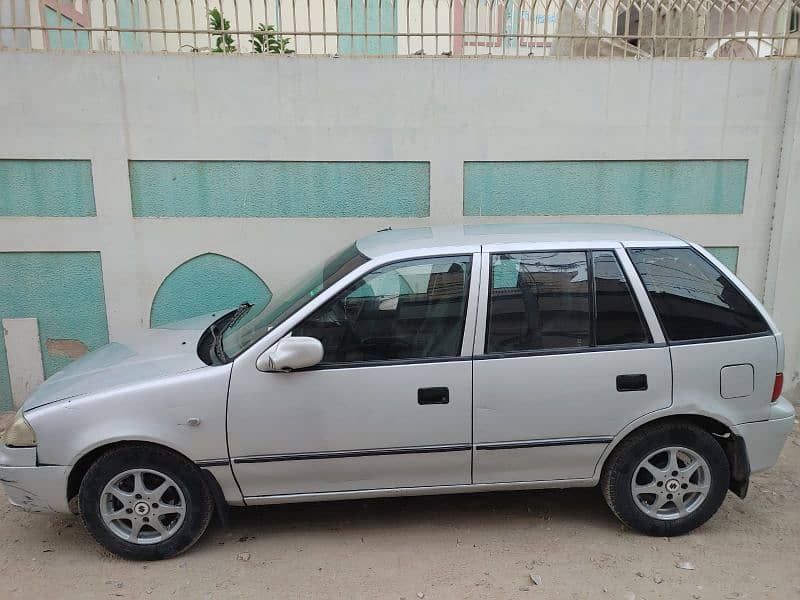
(423, 361)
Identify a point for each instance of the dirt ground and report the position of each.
(474, 546)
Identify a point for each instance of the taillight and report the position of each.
(777, 388)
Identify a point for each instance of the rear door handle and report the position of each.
(632, 383)
(433, 395)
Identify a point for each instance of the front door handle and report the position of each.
(433, 395)
(632, 383)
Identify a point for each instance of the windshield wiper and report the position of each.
(243, 308)
(216, 344)
(217, 333)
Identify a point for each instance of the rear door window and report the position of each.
(693, 299)
(538, 301)
(617, 316)
(558, 300)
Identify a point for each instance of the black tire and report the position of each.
(198, 499)
(621, 466)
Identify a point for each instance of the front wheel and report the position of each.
(666, 479)
(145, 503)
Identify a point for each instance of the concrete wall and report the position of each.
(221, 177)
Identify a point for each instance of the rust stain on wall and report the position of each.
(70, 348)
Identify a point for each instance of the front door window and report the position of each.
(413, 309)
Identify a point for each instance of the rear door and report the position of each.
(565, 358)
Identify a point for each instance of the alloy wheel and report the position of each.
(142, 506)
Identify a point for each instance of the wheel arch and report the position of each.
(87, 459)
(732, 444)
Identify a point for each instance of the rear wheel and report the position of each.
(144, 502)
(666, 479)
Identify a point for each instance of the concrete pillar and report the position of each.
(24, 354)
(782, 295)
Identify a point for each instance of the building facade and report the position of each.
(164, 186)
(653, 28)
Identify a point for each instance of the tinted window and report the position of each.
(410, 309)
(538, 300)
(693, 298)
(617, 317)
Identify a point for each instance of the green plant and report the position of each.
(269, 41)
(223, 42)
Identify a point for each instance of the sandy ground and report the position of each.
(475, 546)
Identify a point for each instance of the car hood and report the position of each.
(145, 355)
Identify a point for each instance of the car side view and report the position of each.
(423, 361)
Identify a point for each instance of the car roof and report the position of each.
(474, 236)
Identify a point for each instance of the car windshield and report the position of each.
(287, 300)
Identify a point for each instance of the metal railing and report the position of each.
(505, 28)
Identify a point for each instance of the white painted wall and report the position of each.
(112, 108)
(782, 288)
(24, 357)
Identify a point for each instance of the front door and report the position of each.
(568, 362)
(390, 404)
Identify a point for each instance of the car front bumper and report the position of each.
(764, 440)
(31, 487)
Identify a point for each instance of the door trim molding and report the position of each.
(352, 453)
(511, 445)
(391, 362)
(544, 443)
(213, 462)
(417, 491)
(576, 350)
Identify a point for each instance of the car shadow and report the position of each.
(577, 506)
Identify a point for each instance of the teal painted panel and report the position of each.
(504, 272)
(641, 187)
(64, 291)
(64, 40)
(727, 255)
(511, 24)
(128, 16)
(46, 188)
(366, 16)
(279, 189)
(205, 284)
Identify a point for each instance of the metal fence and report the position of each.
(505, 28)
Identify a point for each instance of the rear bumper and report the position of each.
(764, 440)
(30, 487)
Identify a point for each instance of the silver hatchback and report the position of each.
(423, 361)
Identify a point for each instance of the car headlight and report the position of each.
(19, 433)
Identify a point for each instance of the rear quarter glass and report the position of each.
(693, 299)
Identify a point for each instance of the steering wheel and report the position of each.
(392, 348)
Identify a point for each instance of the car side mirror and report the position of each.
(290, 354)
